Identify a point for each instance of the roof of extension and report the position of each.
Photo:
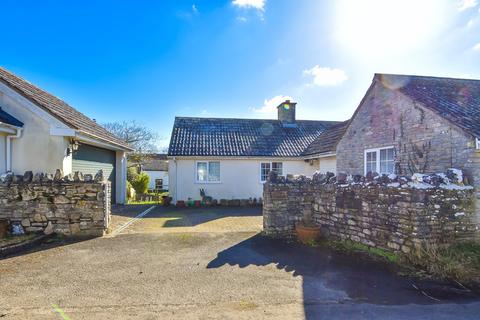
(155, 162)
(243, 137)
(59, 109)
(9, 119)
(457, 100)
(328, 140)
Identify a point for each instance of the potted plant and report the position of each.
(3, 228)
(307, 231)
(197, 203)
(181, 204)
(166, 200)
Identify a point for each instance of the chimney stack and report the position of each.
(286, 112)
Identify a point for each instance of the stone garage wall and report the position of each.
(73, 205)
(393, 215)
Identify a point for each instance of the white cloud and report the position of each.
(270, 105)
(194, 8)
(242, 19)
(476, 47)
(466, 4)
(325, 76)
(255, 4)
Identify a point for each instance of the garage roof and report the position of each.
(60, 109)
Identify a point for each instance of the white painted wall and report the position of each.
(36, 149)
(240, 179)
(157, 175)
(3, 153)
(328, 164)
(121, 177)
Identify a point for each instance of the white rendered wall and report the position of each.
(3, 153)
(36, 149)
(328, 164)
(240, 179)
(157, 175)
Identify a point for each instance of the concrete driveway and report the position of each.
(169, 273)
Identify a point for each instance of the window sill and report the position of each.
(208, 182)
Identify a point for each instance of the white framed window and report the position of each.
(158, 184)
(207, 171)
(266, 167)
(380, 160)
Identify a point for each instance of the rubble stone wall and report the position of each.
(391, 216)
(72, 206)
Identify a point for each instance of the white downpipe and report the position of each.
(9, 147)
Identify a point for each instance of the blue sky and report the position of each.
(152, 60)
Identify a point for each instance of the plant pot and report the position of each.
(307, 234)
(181, 204)
(3, 228)
(166, 201)
(197, 203)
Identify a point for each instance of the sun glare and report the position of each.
(377, 27)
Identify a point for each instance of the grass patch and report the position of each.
(460, 262)
(356, 246)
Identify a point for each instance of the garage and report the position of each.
(90, 159)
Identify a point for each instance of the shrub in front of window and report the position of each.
(140, 184)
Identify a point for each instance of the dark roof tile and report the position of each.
(328, 140)
(9, 119)
(242, 137)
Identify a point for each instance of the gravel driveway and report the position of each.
(161, 270)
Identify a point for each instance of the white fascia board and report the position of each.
(62, 132)
(8, 128)
(235, 158)
(477, 143)
(318, 156)
(32, 107)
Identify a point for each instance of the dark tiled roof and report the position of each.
(327, 141)
(457, 100)
(9, 119)
(155, 162)
(242, 137)
(59, 109)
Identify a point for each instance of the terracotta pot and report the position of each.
(197, 203)
(307, 234)
(181, 204)
(3, 228)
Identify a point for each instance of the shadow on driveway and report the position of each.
(331, 277)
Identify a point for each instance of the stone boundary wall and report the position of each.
(395, 216)
(74, 205)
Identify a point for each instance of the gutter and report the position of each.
(17, 135)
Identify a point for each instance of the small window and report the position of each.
(208, 171)
(266, 167)
(381, 160)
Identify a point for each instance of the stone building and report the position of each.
(407, 124)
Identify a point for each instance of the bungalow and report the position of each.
(41, 133)
(231, 158)
(407, 124)
(156, 167)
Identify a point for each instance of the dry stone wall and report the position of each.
(393, 214)
(74, 205)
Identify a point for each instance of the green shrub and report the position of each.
(132, 174)
(140, 184)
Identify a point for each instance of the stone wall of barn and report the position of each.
(424, 142)
(392, 215)
(74, 205)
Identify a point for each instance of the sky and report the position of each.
(150, 61)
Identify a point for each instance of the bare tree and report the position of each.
(141, 138)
